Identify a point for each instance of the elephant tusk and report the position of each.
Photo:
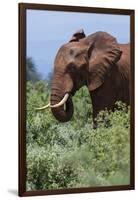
(56, 105)
(61, 102)
(44, 107)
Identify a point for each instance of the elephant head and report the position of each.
(82, 61)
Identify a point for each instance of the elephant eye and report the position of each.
(72, 68)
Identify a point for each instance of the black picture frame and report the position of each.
(22, 97)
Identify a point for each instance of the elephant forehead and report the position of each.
(68, 52)
(72, 49)
(75, 46)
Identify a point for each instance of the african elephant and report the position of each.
(96, 61)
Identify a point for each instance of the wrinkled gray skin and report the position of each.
(96, 61)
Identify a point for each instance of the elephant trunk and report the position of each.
(64, 112)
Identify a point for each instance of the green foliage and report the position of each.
(73, 154)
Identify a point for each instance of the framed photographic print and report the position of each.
(76, 99)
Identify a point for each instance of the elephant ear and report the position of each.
(77, 36)
(103, 53)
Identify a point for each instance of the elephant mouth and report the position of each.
(72, 93)
(67, 103)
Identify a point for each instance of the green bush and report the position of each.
(73, 154)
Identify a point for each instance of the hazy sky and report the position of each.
(48, 30)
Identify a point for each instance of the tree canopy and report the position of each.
(31, 71)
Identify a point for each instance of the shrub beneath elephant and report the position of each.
(73, 154)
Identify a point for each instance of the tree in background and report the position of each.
(49, 79)
(32, 73)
